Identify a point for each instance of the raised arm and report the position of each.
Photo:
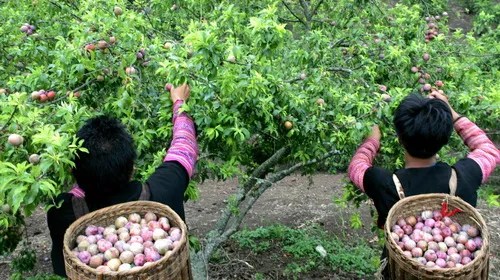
(483, 151)
(184, 148)
(363, 158)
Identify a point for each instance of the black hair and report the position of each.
(423, 125)
(109, 163)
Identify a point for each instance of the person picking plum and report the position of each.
(424, 126)
(104, 174)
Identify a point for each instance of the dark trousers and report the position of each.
(385, 272)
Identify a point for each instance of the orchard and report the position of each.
(276, 87)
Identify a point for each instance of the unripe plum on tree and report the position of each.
(288, 125)
(130, 70)
(6, 208)
(386, 97)
(34, 159)
(15, 139)
(102, 44)
(118, 11)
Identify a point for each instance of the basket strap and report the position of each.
(80, 207)
(145, 193)
(453, 182)
(399, 187)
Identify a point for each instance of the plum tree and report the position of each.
(257, 117)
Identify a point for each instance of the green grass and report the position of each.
(343, 256)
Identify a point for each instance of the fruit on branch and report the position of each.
(51, 95)
(102, 44)
(386, 97)
(34, 159)
(130, 70)
(118, 11)
(288, 125)
(89, 47)
(15, 139)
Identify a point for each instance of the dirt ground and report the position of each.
(293, 202)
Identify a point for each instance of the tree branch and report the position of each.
(261, 188)
(215, 236)
(60, 7)
(10, 118)
(340, 69)
(297, 17)
(66, 94)
(317, 6)
(242, 190)
(305, 8)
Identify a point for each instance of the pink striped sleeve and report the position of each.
(483, 151)
(184, 148)
(362, 160)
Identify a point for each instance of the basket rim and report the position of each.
(151, 205)
(438, 196)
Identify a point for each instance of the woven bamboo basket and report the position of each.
(175, 266)
(401, 267)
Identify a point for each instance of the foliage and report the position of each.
(244, 61)
(300, 244)
(23, 262)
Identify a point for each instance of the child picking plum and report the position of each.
(104, 174)
(423, 127)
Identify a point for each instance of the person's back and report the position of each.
(104, 175)
(424, 126)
